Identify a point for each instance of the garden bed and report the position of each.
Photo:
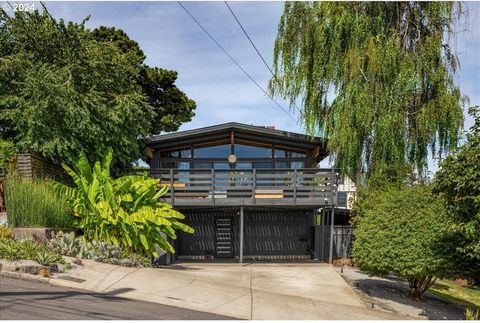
(38, 234)
(390, 294)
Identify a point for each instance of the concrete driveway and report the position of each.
(247, 291)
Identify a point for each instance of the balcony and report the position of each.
(312, 187)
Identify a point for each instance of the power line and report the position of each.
(235, 62)
(249, 39)
(256, 49)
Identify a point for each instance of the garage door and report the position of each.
(213, 233)
(266, 232)
(277, 232)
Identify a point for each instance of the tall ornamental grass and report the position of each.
(35, 204)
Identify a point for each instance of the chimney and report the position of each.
(270, 127)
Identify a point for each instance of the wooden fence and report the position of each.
(34, 166)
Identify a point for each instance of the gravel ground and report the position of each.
(390, 294)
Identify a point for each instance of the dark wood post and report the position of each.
(295, 186)
(241, 234)
(254, 186)
(213, 185)
(172, 187)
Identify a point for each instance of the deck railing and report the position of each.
(193, 187)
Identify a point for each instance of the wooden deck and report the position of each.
(260, 187)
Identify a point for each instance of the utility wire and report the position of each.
(235, 62)
(256, 49)
(249, 39)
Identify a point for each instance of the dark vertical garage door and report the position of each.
(277, 232)
(212, 234)
(266, 232)
(202, 242)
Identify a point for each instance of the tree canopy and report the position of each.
(400, 229)
(64, 89)
(171, 106)
(458, 182)
(375, 78)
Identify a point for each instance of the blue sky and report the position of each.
(170, 39)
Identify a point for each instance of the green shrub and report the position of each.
(7, 152)
(9, 249)
(35, 204)
(458, 183)
(399, 230)
(124, 212)
(471, 314)
(5, 232)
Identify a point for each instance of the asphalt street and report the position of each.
(24, 300)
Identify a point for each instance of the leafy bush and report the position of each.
(123, 212)
(471, 314)
(458, 183)
(5, 232)
(7, 151)
(35, 204)
(400, 230)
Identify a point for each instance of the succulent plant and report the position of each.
(47, 258)
(66, 244)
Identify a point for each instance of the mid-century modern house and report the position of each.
(249, 192)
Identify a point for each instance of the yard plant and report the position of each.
(400, 230)
(28, 249)
(65, 88)
(124, 212)
(34, 203)
(375, 78)
(458, 183)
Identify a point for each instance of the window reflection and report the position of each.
(243, 151)
(212, 152)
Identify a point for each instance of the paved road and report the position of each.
(23, 300)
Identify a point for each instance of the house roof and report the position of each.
(241, 131)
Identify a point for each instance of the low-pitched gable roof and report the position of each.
(242, 131)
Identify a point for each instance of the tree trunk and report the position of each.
(418, 285)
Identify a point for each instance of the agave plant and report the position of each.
(125, 212)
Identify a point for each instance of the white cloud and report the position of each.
(171, 39)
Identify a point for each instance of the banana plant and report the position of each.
(125, 212)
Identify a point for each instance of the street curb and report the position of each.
(43, 280)
(22, 276)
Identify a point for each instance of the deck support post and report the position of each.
(332, 220)
(334, 183)
(172, 187)
(241, 234)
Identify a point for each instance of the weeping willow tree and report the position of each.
(375, 78)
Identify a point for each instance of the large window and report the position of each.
(244, 151)
(212, 152)
(249, 155)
